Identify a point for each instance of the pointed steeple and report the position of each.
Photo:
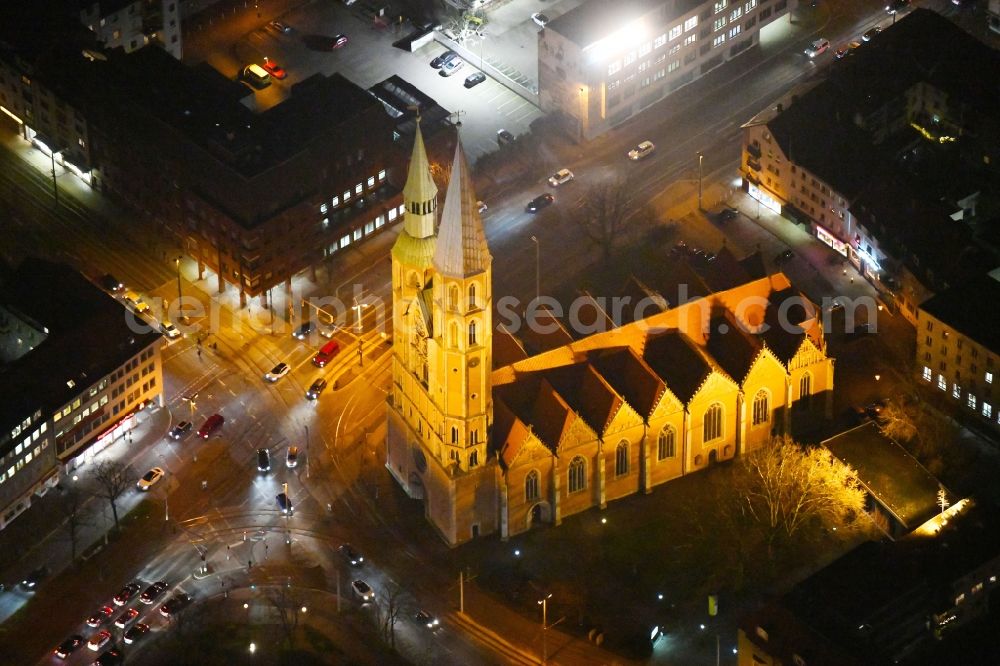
(461, 247)
(420, 192)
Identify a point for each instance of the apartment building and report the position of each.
(889, 158)
(602, 63)
(133, 24)
(77, 372)
(958, 346)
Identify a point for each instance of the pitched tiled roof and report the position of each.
(507, 349)
(636, 295)
(783, 333)
(537, 404)
(590, 315)
(674, 358)
(732, 347)
(631, 377)
(541, 331)
(508, 435)
(586, 392)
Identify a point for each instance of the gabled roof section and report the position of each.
(753, 264)
(590, 315)
(541, 331)
(783, 333)
(507, 349)
(586, 392)
(461, 246)
(630, 377)
(509, 434)
(724, 272)
(639, 298)
(678, 363)
(538, 405)
(732, 347)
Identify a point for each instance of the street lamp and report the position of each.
(700, 159)
(307, 450)
(180, 296)
(583, 112)
(538, 290)
(545, 625)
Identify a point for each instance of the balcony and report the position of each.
(754, 149)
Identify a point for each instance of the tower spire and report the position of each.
(419, 192)
(461, 247)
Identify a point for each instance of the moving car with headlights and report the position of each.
(150, 478)
(102, 615)
(540, 202)
(174, 604)
(211, 424)
(277, 372)
(111, 283)
(263, 460)
(363, 590)
(135, 301)
(317, 387)
(426, 619)
(560, 177)
(540, 19)
(336, 42)
(169, 329)
(353, 557)
(292, 457)
(280, 27)
(818, 47)
(180, 430)
(284, 503)
(871, 33)
(99, 640)
(643, 150)
(303, 331)
(34, 578)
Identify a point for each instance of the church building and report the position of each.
(566, 423)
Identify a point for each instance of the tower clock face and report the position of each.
(473, 362)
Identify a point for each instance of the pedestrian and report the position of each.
(199, 352)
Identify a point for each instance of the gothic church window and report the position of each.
(531, 486)
(713, 423)
(666, 444)
(473, 458)
(472, 334)
(621, 459)
(761, 411)
(453, 297)
(472, 296)
(577, 474)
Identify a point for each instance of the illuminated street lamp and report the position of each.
(544, 603)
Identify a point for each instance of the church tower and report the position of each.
(441, 401)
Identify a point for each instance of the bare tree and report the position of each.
(287, 606)
(387, 612)
(784, 486)
(607, 207)
(75, 516)
(926, 433)
(113, 479)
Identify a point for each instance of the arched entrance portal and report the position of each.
(540, 513)
(416, 486)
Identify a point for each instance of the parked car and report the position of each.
(34, 578)
(277, 372)
(540, 19)
(110, 657)
(451, 67)
(871, 33)
(135, 301)
(180, 430)
(727, 214)
(474, 79)
(317, 387)
(292, 457)
(504, 137)
(126, 593)
(150, 478)
(135, 633)
(353, 557)
(444, 58)
(540, 202)
(818, 47)
(150, 594)
(641, 151)
(111, 283)
(263, 460)
(561, 177)
(280, 27)
(784, 256)
(211, 424)
(336, 42)
(426, 619)
(174, 604)
(68, 646)
(126, 619)
(99, 640)
(274, 69)
(363, 590)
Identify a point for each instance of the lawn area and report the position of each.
(607, 569)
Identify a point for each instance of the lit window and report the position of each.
(358, 188)
(345, 240)
(660, 41)
(675, 65)
(17, 449)
(402, 209)
(750, 5)
(645, 48)
(927, 374)
(761, 411)
(371, 181)
(381, 174)
(335, 202)
(718, 41)
(956, 391)
(941, 383)
(621, 459)
(735, 14)
(531, 486)
(987, 410)
(690, 23)
(735, 30)
(989, 377)
(712, 423)
(357, 234)
(326, 221)
(379, 221)
(675, 32)
(719, 23)
(323, 208)
(392, 214)
(614, 67)
(971, 401)
(666, 446)
(720, 5)
(369, 227)
(347, 195)
(577, 474)
(690, 39)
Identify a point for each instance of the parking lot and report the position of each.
(368, 58)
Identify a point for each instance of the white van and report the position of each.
(256, 76)
(817, 47)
